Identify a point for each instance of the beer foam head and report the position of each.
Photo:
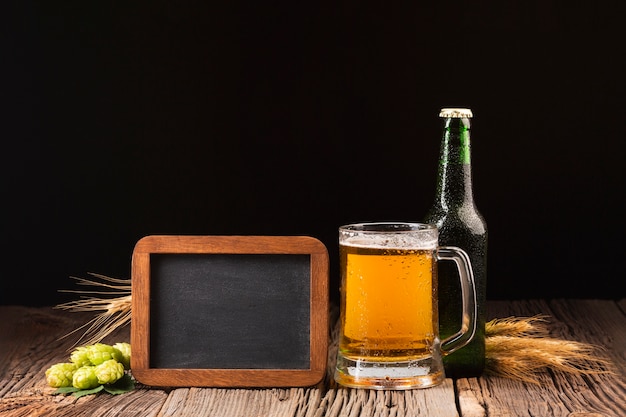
(389, 235)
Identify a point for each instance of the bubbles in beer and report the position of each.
(423, 239)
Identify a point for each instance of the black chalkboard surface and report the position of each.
(229, 311)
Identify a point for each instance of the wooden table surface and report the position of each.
(29, 344)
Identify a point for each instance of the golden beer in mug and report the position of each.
(389, 324)
(392, 317)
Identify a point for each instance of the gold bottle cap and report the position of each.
(456, 113)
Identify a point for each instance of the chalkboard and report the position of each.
(229, 311)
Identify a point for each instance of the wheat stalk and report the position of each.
(112, 300)
(519, 348)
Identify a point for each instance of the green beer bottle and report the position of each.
(460, 224)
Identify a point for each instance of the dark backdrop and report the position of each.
(128, 118)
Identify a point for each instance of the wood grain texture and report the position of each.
(558, 394)
(29, 343)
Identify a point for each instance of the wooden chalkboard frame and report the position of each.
(277, 245)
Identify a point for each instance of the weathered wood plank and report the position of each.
(31, 340)
(139, 402)
(558, 394)
(32, 402)
(605, 326)
(29, 343)
(435, 402)
(237, 402)
(142, 402)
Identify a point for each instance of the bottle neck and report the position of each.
(454, 187)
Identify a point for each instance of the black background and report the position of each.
(124, 119)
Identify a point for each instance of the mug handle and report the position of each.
(468, 295)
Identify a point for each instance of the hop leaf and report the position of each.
(123, 385)
(109, 372)
(85, 378)
(124, 349)
(60, 375)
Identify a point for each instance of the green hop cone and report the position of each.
(124, 349)
(100, 353)
(109, 372)
(80, 357)
(85, 378)
(61, 374)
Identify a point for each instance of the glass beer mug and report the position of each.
(389, 322)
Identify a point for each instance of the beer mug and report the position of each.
(389, 322)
